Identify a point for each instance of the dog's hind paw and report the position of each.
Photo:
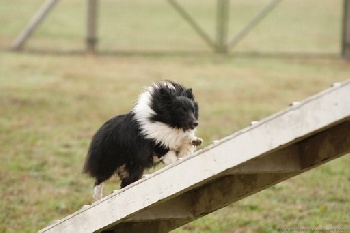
(98, 192)
(144, 176)
(197, 142)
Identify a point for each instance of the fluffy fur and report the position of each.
(161, 127)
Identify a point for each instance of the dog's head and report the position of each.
(175, 106)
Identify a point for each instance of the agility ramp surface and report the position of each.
(303, 136)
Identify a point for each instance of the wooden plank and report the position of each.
(314, 151)
(176, 208)
(201, 181)
(281, 161)
(321, 148)
(325, 145)
(160, 226)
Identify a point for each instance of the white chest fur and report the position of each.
(170, 137)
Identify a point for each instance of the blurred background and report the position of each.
(54, 95)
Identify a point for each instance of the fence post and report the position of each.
(222, 25)
(346, 30)
(91, 25)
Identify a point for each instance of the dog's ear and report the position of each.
(166, 94)
(188, 93)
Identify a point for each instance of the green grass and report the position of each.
(51, 104)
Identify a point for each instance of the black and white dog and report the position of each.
(161, 127)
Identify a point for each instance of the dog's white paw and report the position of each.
(186, 150)
(98, 192)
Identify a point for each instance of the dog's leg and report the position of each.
(122, 172)
(189, 146)
(98, 192)
(170, 157)
(156, 160)
(192, 139)
(135, 172)
(186, 150)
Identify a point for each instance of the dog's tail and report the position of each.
(94, 155)
(99, 163)
(88, 167)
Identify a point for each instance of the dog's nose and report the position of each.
(195, 124)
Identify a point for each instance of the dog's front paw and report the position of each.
(197, 142)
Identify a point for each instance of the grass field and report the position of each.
(52, 101)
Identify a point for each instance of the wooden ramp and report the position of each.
(303, 136)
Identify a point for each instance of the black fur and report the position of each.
(121, 142)
(175, 107)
